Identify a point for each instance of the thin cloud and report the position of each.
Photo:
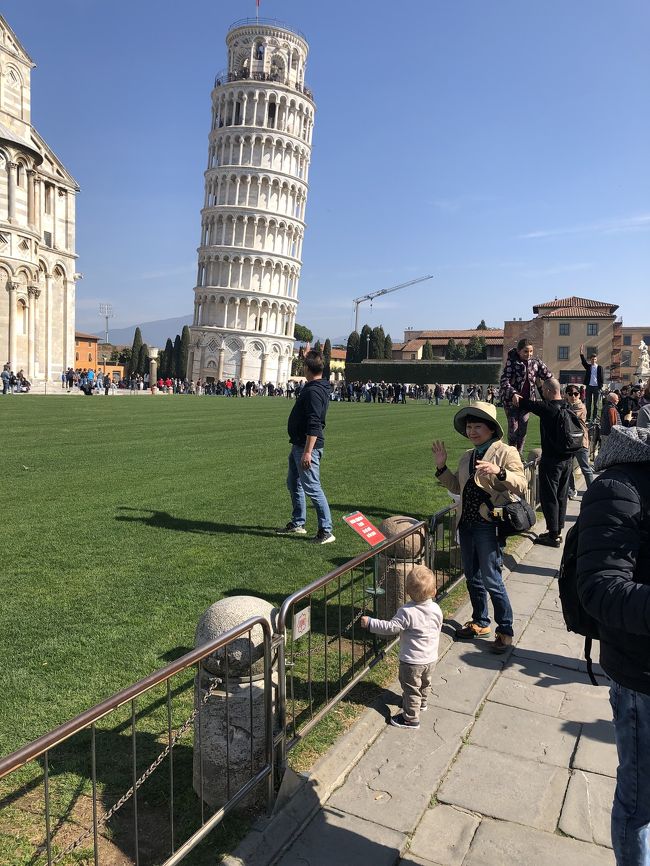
(623, 224)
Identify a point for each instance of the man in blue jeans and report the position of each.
(614, 587)
(306, 429)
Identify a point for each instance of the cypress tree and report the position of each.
(143, 359)
(317, 346)
(327, 358)
(427, 352)
(363, 343)
(352, 350)
(450, 351)
(135, 353)
(388, 348)
(168, 362)
(177, 357)
(377, 339)
(185, 352)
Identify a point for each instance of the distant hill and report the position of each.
(153, 333)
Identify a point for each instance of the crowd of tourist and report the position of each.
(14, 383)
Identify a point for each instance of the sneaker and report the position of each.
(400, 722)
(471, 630)
(549, 540)
(502, 643)
(323, 537)
(291, 529)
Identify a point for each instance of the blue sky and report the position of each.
(501, 146)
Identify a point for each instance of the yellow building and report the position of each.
(560, 327)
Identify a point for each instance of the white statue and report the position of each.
(643, 367)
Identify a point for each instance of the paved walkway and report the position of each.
(514, 761)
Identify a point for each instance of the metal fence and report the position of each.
(87, 774)
(82, 782)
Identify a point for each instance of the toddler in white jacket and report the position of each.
(418, 624)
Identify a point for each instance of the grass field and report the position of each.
(125, 518)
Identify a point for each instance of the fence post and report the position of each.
(231, 704)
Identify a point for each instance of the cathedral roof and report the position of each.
(9, 135)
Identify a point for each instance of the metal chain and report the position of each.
(213, 683)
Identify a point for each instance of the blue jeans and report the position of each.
(582, 459)
(481, 555)
(301, 481)
(631, 809)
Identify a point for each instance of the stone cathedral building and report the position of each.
(37, 232)
(253, 218)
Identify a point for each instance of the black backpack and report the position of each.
(569, 433)
(575, 616)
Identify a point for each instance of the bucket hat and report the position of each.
(486, 411)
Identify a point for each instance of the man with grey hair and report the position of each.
(555, 465)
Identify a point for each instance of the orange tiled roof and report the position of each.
(338, 354)
(460, 335)
(578, 313)
(575, 303)
(79, 335)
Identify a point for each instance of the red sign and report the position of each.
(364, 528)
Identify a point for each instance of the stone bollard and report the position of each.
(225, 737)
(396, 563)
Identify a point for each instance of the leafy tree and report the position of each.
(352, 350)
(143, 360)
(388, 348)
(427, 352)
(475, 349)
(297, 366)
(366, 332)
(482, 326)
(185, 352)
(135, 353)
(450, 351)
(460, 353)
(377, 339)
(302, 334)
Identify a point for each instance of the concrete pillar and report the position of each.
(222, 352)
(265, 355)
(242, 364)
(48, 327)
(153, 367)
(230, 699)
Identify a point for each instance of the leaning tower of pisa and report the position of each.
(252, 221)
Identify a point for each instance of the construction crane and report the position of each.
(378, 294)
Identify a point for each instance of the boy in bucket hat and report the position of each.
(489, 475)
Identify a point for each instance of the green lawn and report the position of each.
(125, 518)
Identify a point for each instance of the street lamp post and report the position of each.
(367, 346)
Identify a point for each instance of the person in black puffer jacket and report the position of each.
(614, 587)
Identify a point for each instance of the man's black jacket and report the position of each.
(307, 417)
(614, 568)
(548, 411)
(587, 366)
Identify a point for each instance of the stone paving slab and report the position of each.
(525, 597)
(506, 787)
(581, 706)
(498, 842)
(566, 648)
(596, 750)
(333, 836)
(463, 678)
(444, 835)
(587, 808)
(412, 860)
(392, 784)
(513, 693)
(526, 734)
